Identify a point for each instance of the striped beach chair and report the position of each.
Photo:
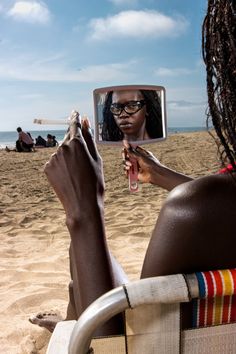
(217, 300)
(153, 317)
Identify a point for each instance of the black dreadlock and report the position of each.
(219, 55)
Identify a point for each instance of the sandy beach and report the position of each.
(34, 264)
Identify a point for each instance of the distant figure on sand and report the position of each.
(25, 143)
(50, 142)
(195, 227)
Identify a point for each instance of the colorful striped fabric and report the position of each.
(217, 303)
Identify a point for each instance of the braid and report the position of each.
(219, 55)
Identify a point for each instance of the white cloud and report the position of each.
(100, 72)
(137, 24)
(30, 11)
(31, 69)
(167, 72)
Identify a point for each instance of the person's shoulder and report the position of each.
(206, 187)
(199, 208)
(202, 201)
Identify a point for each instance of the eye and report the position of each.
(133, 104)
(115, 108)
(132, 107)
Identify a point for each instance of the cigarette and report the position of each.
(51, 121)
(74, 115)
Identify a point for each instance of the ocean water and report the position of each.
(174, 130)
(9, 138)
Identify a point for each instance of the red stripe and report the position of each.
(214, 287)
(210, 306)
(233, 309)
(210, 300)
(202, 306)
(226, 309)
(233, 273)
(210, 285)
(233, 303)
(218, 282)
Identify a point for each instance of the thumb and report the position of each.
(129, 149)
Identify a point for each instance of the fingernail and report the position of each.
(126, 144)
(86, 122)
(75, 117)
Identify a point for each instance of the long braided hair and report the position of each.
(219, 55)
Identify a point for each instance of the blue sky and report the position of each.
(53, 54)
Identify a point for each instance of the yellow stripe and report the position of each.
(228, 286)
(217, 314)
(219, 301)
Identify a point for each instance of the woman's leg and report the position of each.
(75, 172)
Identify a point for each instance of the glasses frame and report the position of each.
(123, 107)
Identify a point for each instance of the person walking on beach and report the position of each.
(197, 215)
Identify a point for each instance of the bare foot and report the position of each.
(47, 320)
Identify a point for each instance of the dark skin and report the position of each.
(150, 169)
(194, 230)
(75, 173)
(192, 209)
(136, 129)
(193, 238)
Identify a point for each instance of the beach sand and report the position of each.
(34, 263)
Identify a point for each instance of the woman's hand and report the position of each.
(75, 171)
(147, 163)
(150, 170)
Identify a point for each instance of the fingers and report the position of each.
(129, 152)
(75, 125)
(126, 154)
(136, 152)
(81, 130)
(74, 129)
(142, 152)
(125, 157)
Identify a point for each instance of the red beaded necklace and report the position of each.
(227, 169)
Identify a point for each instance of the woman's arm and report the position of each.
(151, 170)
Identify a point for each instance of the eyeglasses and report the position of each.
(130, 107)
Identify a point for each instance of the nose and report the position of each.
(123, 114)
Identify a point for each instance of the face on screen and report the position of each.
(134, 113)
